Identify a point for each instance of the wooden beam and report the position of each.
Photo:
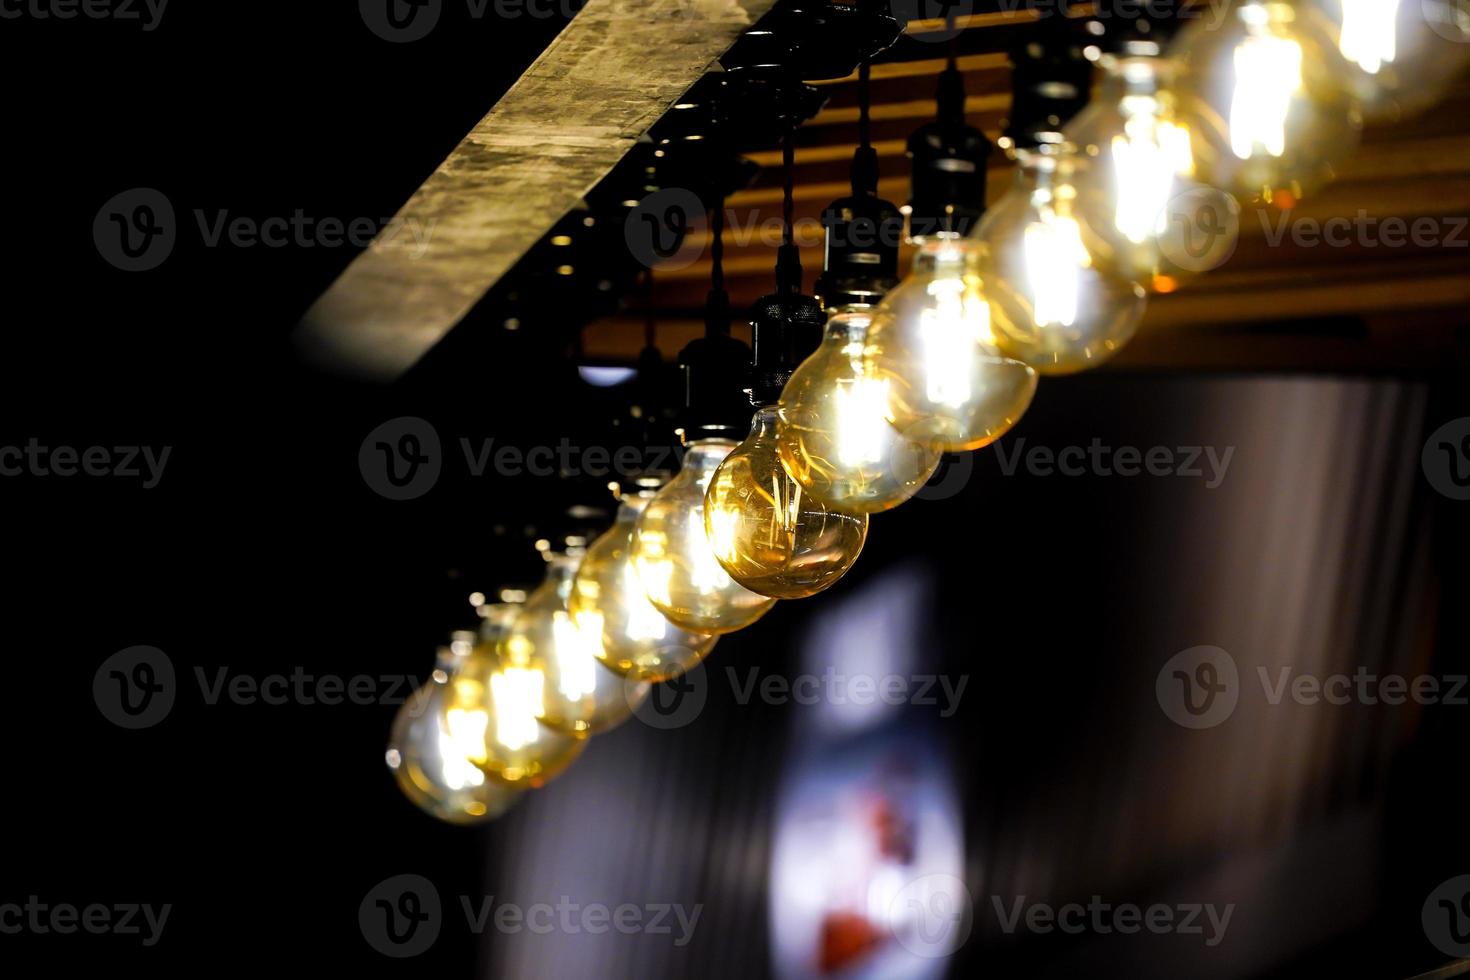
(610, 74)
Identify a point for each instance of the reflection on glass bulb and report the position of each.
(1402, 55)
(766, 531)
(1142, 215)
(580, 695)
(608, 601)
(836, 436)
(492, 709)
(1052, 306)
(677, 565)
(1263, 97)
(1369, 32)
(433, 754)
(950, 387)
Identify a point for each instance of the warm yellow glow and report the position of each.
(644, 621)
(1268, 75)
(1147, 156)
(1369, 33)
(576, 661)
(1055, 258)
(948, 331)
(461, 745)
(862, 423)
(517, 694)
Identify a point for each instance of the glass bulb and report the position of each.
(676, 564)
(1051, 305)
(836, 435)
(1403, 54)
(949, 386)
(489, 713)
(580, 694)
(1139, 166)
(1263, 96)
(435, 763)
(608, 600)
(772, 536)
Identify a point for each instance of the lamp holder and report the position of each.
(1051, 79)
(948, 158)
(863, 231)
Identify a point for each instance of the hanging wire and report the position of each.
(788, 164)
(864, 135)
(717, 244)
(650, 328)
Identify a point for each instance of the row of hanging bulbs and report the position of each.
(856, 393)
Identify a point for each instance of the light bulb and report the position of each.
(580, 695)
(436, 764)
(493, 710)
(836, 435)
(608, 600)
(949, 386)
(1051, 305)
(767, 531)
(676, 564)
(1403, 54)
(1137, 220)
(1263, 97)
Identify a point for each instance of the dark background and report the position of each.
(263, 550)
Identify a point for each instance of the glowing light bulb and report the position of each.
(950, 386)
(608, 600)
(836, 435)
(1052, 306)
(1142, 216)
(1402, 55)
(491, 710)
(580, 695)
(772, 536)
(432, 755)
(1263, 98)
(675, 561)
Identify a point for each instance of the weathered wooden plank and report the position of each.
(575, 113)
